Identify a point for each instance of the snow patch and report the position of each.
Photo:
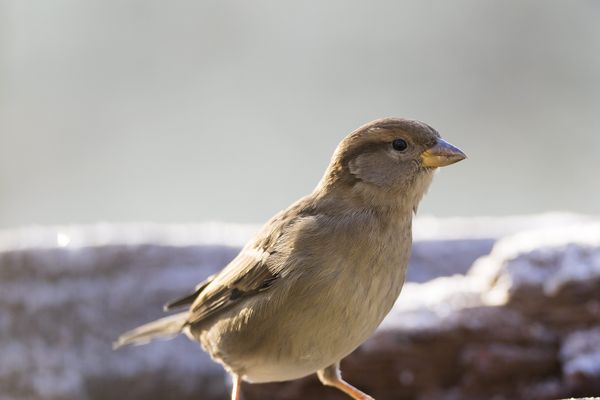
(549, 259)
(580, 353)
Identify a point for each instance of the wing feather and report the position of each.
(253, 271)
(189, 298)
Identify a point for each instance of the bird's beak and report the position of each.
(441, 154)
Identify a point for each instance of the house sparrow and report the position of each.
(321, 275)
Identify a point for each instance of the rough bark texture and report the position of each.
(522, 323)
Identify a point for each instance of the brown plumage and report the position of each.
(322, 274)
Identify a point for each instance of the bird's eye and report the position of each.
(399, 144)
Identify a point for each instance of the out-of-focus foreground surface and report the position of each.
(503, 309)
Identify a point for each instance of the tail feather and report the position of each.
(164, 328)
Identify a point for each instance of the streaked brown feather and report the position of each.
(189, 298)
(248, 275)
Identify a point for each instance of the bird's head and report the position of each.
(390, 159)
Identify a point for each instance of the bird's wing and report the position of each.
(189, 298)
(253, 271)
(233, 287)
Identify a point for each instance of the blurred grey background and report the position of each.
(139, 110)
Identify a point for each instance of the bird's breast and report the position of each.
(340, 307)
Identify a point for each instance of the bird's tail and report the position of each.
(164, 328)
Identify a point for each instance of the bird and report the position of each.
(321, 275)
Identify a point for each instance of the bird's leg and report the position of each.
(235, 391)
(330, 376)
